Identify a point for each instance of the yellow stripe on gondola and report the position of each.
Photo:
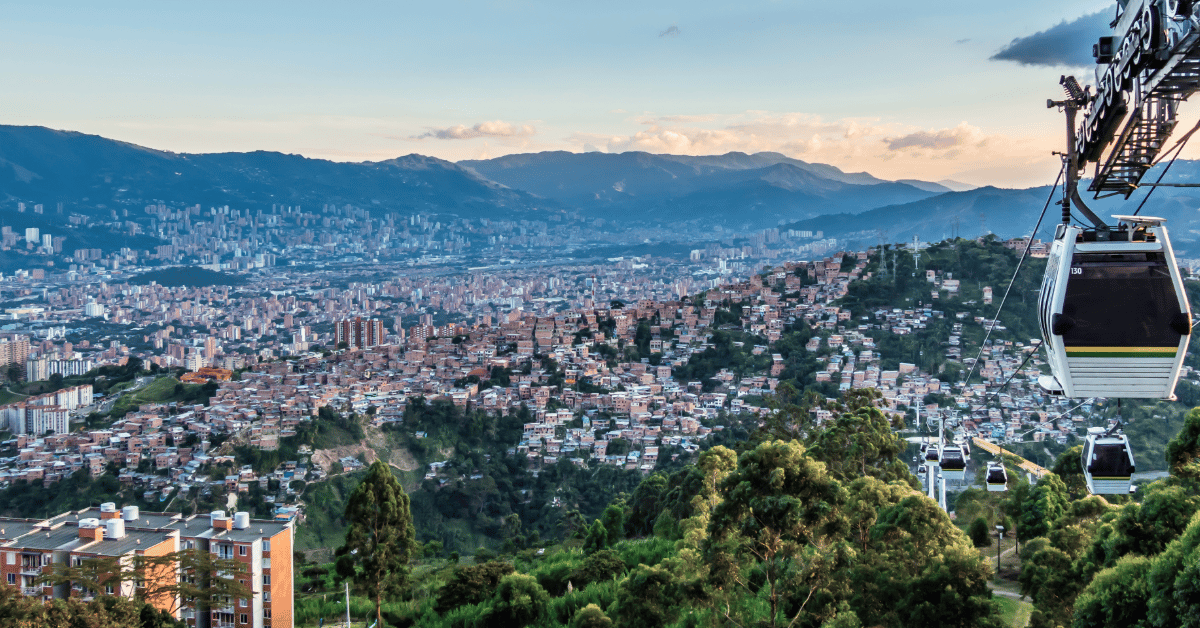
(1119, 477)
(1123, 352)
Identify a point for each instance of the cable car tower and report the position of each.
(1113, 312)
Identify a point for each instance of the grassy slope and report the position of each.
(161, 390)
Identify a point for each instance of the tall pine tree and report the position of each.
(380, 538)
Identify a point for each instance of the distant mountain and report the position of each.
(1007, 213)
(1013, 213)
(936, 188)
(739, 190)
(90, 174)
(956, 186)
(112, 181)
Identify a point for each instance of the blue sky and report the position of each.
(897, 89)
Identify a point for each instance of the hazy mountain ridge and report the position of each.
(92, 175)
(88, 172)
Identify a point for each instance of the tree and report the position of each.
(859, 441)
(1117, 596)
(380, 536)
(205, 580)
(614, 520)
(471, 584)
(1174, 581)
(596, 538)
(778, 531)
(519, 601)
(647, 504)
(598, 567)
(1183, 452)
(1069, 468)
(920, 569)
(591, 616)
(1047, 502)
(981, 535)
(646, 599)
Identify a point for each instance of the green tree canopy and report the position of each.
(380, 538)
(471, 584)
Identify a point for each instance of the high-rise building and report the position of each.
(31, 548)
(358, 333)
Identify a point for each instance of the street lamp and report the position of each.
(999, 537)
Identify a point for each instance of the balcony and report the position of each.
(31, 591)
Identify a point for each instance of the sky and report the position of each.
(931, 90)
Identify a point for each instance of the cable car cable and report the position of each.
(1076, 407)
(1010, 377)
(1021, 261)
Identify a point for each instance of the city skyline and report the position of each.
(922, 92)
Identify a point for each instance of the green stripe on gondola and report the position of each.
(1122, 352)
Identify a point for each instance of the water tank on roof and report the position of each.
(114, 528)
(215, 516)
(129, 513)
(241, 520)
(108, 507)
(90, 522)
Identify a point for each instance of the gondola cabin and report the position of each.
(953, 463)
(931, 454)
(996, 477)
(1113, 312)
(1107, 462)
(922, 470)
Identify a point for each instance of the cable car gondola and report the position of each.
(996, 478)
(931, 454)
(1107, 462)
(953, 463)
(922, 470)
(1113, 311)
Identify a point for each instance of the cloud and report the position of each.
(887, 149)
(1067, 44)
(496, 128)
(672, 31)
(962, 41)
(941, 139)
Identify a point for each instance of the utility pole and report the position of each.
(347, 605)
(999, 537)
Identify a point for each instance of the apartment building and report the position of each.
(31, 548)
(358, 333)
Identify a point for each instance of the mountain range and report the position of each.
(100, 177)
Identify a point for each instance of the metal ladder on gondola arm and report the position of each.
(1152, 119)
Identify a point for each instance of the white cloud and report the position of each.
(886, 149)
(495, 128)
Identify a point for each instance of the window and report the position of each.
(266, 580)
(242, 603)
(12, 558)
(266, 545)
(245, 618)
(266, 613)
(266, 596)
(1140, 316)
(266, 563)
(12, 578)
(108, 589)
(241, 550)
